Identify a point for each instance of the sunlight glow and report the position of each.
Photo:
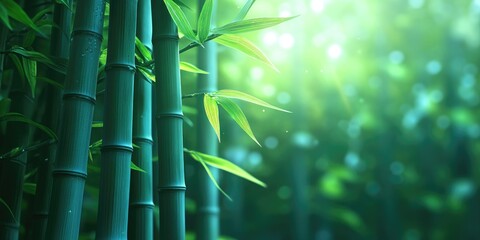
(334, 51)
(434, 67)
(415, 3)
(286, 40)
(317, 6)
(270, 38)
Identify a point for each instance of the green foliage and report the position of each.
(180, 20)
(223, 98)
(17, 117)
(224, 165)
(243, 45)
(204, 21)
(249, 25)
(5, 205)
(13, 10)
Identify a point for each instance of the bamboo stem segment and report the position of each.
(171, 183)
(112, 220)
(140, 225)
(70, 169)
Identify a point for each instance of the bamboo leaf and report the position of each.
(135, 167)
(39, 57)
(249, 25)
(146, 72)
(97, 125)
(143, 50)
(8, 208)
(182, 4)
(30, 188)
(50, 81)
(16, 12)
(30, 68)
(189, 110)
(243, 45)
(233, 94)
(204, 21)
(19, 66)
(17, 117)
(245, 9)
(225, 165)
(198, 157)
(4, 16)
(188, 67)
(211, 110)
(238, 116)
(103, 57)
(180, 19)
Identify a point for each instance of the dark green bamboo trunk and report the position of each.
(140, 219)
(13, 169)
(70, 169)
(208, 224)
(59, 47)
(112, 221)
(171, 183)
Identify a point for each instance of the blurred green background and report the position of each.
(383, 139)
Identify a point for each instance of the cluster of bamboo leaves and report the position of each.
(27, 63)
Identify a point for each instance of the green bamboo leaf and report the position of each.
(30, 68)
(182, 4)
(19, 66)
(204, 21)
(189, 110)
(249, 25)
(8, 208)
(245, 9)
(30, 188)
(39, 57)
(16, 12)
(136, 168)
(225, 165)
(198, 157)
(63, 3)
(103, 57)
(243, 45)
(51, 81)
(238, 116)
(233, 94)
(17, 117)
(188, 67)
(211, 110)
(146, 72)
(180, 19)
(97, 124)
(143, 50)
(4, 16)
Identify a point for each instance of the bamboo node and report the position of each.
(128, 66)
(81, 96)
(87, 32)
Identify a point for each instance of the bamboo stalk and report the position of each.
(171, 183)
(70, 169)
(59, 47)
(208, 224)
(141, 190)
(112, 220)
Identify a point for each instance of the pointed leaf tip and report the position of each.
(211, 110)
(227, 93)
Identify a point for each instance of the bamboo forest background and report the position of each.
(100, 133)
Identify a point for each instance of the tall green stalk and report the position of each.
(117, 148)
(171, 183)
(208, 224)
(140, 225)
(13, 169)
(59, 47)
(70, 169)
